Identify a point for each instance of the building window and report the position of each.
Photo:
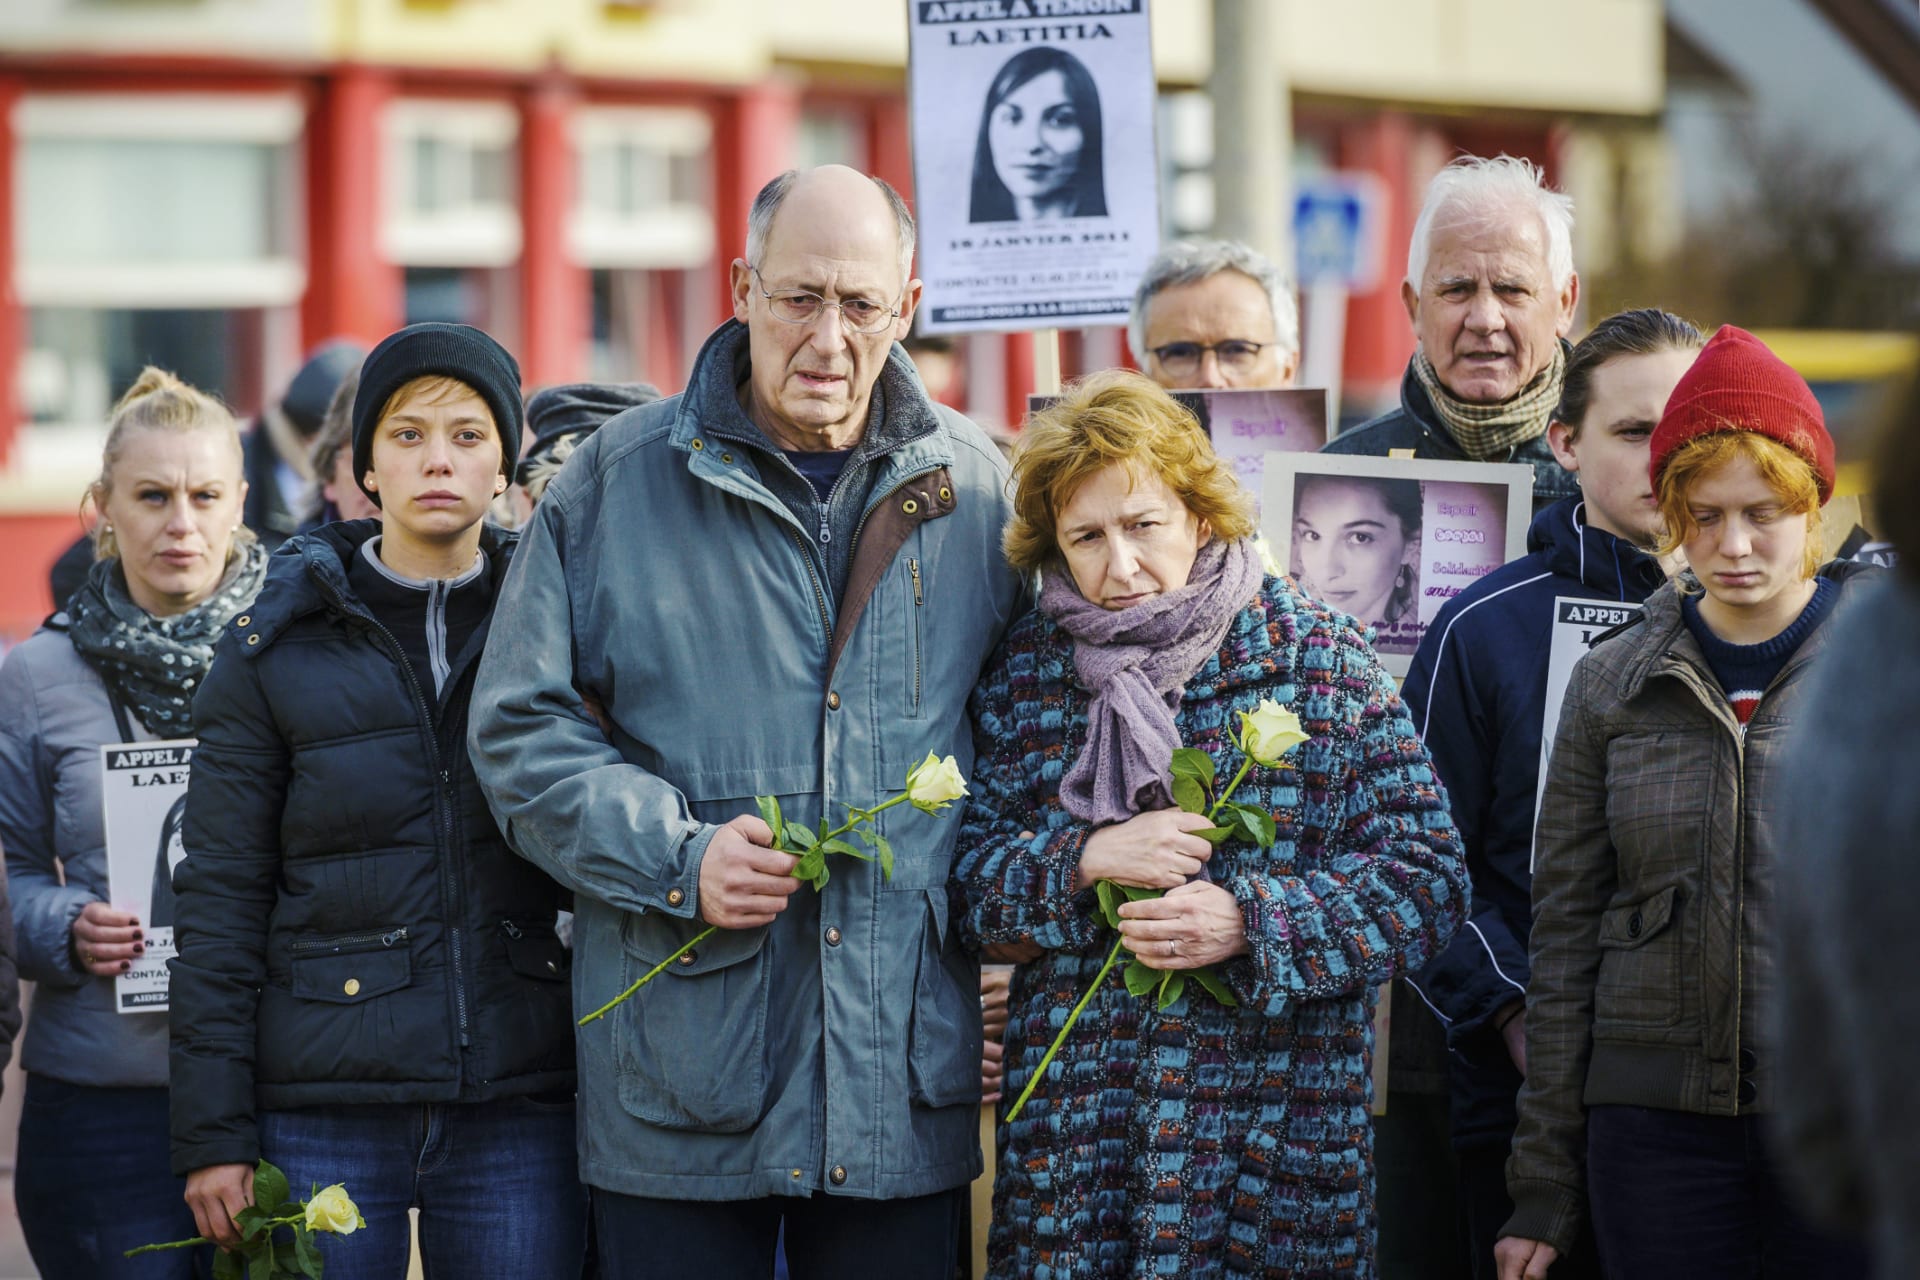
(642, 226)
(832, 135)
(452, 221)
(153, 229)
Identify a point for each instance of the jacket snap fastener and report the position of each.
(909, 506)
(253, 639)
(833, 937)
(839, 1175)
(689, 957)
(1633, 925)
(833, 702)
(353, 987)
(675, 897)
(796, 1175)
(552, 967)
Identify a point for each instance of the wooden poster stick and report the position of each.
(1046, 362)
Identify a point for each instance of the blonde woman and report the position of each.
(122, 663)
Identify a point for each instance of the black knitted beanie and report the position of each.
(456, 351)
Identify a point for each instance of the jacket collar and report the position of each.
(1611, 566)
(910, 438)
(308, 574)
(1667, 648)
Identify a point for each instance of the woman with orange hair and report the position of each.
(1190, 1136)
(1658, 843)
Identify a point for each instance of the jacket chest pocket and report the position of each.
(1639, 983)
(916, 673)
(350, 968)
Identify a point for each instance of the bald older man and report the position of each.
(1490, 291)
(782, 582)
(1215, 313)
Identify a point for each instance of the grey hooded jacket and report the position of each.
(663, 576)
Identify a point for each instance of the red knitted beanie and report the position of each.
(1736, 384)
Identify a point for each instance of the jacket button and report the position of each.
(1633, 925)
(1748, 1061)
(1747, 1093)
(353, 987)
(688, 957)
(833, 702)
(675, 897)
(833, 937)
(839, 1175)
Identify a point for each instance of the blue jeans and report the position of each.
(1678, 1196)
(91, 1181)
(496, 1185)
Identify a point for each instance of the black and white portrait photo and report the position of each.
(1038, 153)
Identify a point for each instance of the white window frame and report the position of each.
(673, 237)
(273, 119)
(476, 235)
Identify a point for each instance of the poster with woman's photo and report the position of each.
(1034, 170)
(143, 788)
(1391, 540)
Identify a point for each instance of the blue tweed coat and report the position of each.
(1207, 1141)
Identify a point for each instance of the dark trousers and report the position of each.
(495, 1183)
(91, 1182)
(827, 1237)
(1485, 1207)
(1415, 1203)
(1678, 1196)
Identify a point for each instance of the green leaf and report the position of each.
(800, 837)
(269, 1187)
(1172, 989)
(1210, 980)
(837, 845)
(252, 1221)
(1248, 820)
(1105, 890)
(1189, 796)
(885, 850)
(1268, 831)
(770, 813)
(1140, 979)
(1135, 893)
(306, 1251)
(1190, 762)
(228, 1266)
(260, 1265)
(1214, 835)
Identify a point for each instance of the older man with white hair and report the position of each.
(1491, 290)
(1215, 313)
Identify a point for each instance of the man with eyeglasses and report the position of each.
(783, 582)
(1215, 313)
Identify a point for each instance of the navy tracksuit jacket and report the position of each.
(1477, 692)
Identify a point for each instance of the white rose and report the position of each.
(1269, 731)
(934, 784)
(331, 1210)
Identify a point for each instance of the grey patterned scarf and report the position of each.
(153, 665)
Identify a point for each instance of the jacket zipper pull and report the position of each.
(826, 534)
(913, 568)
(511, 929)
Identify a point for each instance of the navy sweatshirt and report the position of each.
(1477, 693)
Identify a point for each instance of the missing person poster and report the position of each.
(1036, 183)
(144, 792)
(1391, 540)
(1577, 623)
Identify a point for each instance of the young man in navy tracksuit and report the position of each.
(1477, 692)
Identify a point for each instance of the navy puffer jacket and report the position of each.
(351, 926)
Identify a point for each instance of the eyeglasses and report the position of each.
(1182, 359)
(798, 306)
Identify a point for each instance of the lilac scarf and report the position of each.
(1136, 662)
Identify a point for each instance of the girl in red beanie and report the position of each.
(1647, 1077)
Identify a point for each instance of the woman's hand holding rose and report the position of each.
(1155, 850)
(1193, 926)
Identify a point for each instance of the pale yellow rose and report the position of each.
(330, 1210)
(934, 784)
(1269, 731)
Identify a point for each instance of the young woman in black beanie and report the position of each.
(369, 990)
